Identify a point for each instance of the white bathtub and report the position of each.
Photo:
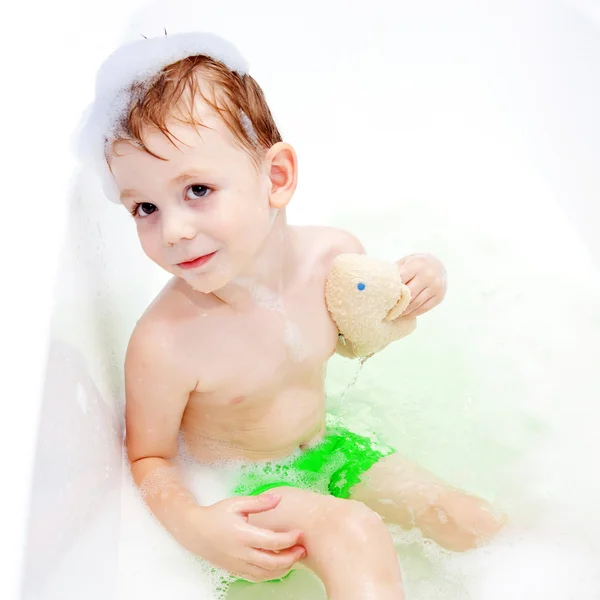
(521, 123)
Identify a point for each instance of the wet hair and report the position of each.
(170, 95)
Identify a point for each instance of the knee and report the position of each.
(352, 519)
(350, 525)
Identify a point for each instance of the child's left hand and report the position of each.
(425, 276)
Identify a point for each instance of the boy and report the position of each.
(231, 355)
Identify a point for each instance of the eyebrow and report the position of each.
(125, 194)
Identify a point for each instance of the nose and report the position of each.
(177, 224)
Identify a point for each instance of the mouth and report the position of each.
(196, 262)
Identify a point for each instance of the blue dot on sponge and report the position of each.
(361, 286)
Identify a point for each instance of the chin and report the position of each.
(209, 282)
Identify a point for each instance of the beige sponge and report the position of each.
(365, 296)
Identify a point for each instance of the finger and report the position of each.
(276, 561)
(414, 264)
(255, 504)
(256, 574)
(252, 574)
(408, 270)
(418, 302)
(427, 266)
(265, 539)
(416, 287)
(427, 306)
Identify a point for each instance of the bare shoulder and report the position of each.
(151, 326)
(147, 341)
(328, 242)
(158, 381)
(341, 241)
(158, 335)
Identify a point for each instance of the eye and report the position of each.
(143, 209)
(196, 191)
(360, 286)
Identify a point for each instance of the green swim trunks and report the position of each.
(331, 467)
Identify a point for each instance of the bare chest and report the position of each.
(279, 345)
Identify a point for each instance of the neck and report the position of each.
(269, 274)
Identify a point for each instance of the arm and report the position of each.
(157, 393)
(157, 390)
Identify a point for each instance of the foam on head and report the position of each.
(134, 63)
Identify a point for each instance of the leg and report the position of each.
(407, 495)
(348, 546)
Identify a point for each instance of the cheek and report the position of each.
(150, 242)
(245, 218)
(250, 230)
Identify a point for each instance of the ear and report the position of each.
(281, 164)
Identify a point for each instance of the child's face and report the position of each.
(207, 201)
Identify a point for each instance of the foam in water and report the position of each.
(158, 481)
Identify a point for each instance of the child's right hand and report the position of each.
(228, 541)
